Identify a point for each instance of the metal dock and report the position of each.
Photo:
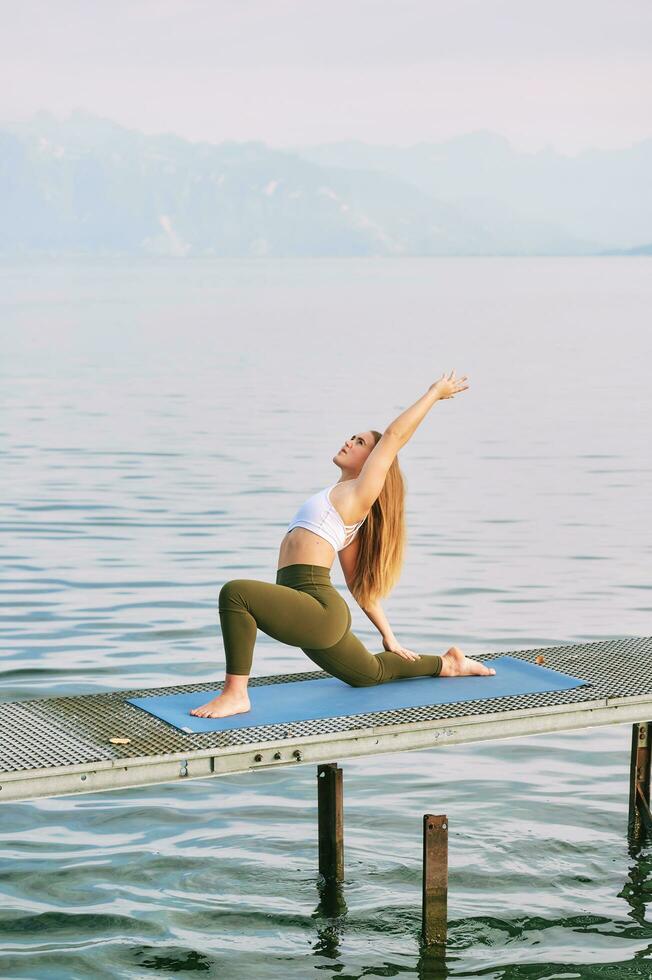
(62, 745)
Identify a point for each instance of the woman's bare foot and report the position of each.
(225, 704)
(455, 664)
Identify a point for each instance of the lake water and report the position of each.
(160, 423)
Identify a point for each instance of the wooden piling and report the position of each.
(435, 880)
(330, 806)
(640, 819)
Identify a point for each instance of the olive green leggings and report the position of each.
(304, 609)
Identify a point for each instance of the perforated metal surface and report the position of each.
(53, 732)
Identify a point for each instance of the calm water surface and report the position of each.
(160, 423)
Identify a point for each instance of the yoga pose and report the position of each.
(361, 518)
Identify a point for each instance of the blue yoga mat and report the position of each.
(331, 698)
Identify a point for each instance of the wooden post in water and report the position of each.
(330, 807)
(640, 819)
(435, 880)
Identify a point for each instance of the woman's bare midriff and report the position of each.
(302, 547)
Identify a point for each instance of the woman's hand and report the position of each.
(448, 386)
(392, 645)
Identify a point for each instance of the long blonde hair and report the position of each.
(382, 539)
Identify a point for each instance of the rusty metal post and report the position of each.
(435, 879)
(330, 809)
(640, 819)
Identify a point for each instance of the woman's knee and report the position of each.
(233, 594)
(354, 682)
(343, 661)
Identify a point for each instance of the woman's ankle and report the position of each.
(236, 684)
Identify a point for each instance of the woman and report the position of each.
(361, 518)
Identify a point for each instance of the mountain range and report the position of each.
(87, 185)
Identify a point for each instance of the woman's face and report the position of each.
(354, 452)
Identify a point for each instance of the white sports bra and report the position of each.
(318, 514)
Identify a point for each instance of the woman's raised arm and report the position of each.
(445, 387)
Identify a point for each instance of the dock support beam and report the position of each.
(330, 806)
(435, 880)
(640, 819)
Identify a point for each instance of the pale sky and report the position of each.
(571, 74)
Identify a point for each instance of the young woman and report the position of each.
(361, 517)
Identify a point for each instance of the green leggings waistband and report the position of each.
(297, 575)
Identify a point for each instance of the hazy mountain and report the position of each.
(87, 185)
(639, 250)
(598, 195)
